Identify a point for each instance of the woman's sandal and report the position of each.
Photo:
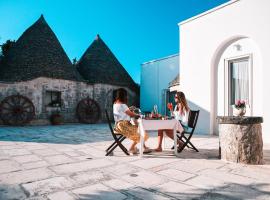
(147, 150)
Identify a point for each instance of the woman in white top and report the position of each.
(122, 115)
(180, 113)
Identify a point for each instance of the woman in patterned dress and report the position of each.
(122, 116)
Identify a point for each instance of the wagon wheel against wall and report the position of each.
(88, 111)
(17, 110)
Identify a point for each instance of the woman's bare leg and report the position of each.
(169, 133)
(132, 147)
(160, 138)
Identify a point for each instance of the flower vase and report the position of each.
(239, 112)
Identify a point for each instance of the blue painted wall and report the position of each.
(155, 78)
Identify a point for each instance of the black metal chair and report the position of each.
(118, 138)
(186, 136)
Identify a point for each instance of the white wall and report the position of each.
(204, 39)
(156, 76)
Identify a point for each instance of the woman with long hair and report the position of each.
(180, 113)
(122, 116)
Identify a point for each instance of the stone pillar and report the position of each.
(241, 139)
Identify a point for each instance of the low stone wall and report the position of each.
(71, 93)
(241, 139)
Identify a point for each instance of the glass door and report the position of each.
(239, 83)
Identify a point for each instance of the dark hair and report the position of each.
(182, 100)
(121, 95)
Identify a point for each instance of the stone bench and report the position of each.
(241, 139)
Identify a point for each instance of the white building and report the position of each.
(156, 76)
(228, 43)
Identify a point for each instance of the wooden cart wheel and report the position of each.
(88, 111)
(16, 110)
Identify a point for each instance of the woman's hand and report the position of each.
(132, 114)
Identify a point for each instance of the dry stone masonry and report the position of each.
(241, 139)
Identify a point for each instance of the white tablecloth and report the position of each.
(153, 125)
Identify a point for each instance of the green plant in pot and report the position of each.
(56, 118)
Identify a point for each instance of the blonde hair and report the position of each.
(183, 102)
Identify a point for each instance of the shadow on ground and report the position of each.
(62, 134)
(229, 191)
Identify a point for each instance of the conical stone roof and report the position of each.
(37, 53)
(99, 65)
(175, 81)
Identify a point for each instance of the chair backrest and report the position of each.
(193, 118)
(109, 122)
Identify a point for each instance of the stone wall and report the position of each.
(71, 93)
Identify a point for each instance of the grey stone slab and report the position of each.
(148, 163)
(98, 191)
(93, 152)
(8, 166)
(47, 186)
(119, 184)
(25, 176)
(81, 166)
(205, 182)
(239, 191)
(33, 165)
(179, 190)
(257, 173)
(16, 152)
(227, 177)
(91, 177)
(7, 147)
(142, 193)
(11, 192)
(61, 195)
(58, 159)
(27, 158)
(144, 179)
(176, 174)
(45, 152)
(196, 165)
(121, 169)
(72, 153)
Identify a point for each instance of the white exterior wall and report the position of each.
(155, 77)
(203, 41)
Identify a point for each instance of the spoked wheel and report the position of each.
(88, 111)
(16, 110)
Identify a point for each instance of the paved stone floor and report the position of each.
(67, 162)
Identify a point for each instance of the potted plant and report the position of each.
(239, 108)
(56, 118)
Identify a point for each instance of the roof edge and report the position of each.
(208, 12)
(163, 58)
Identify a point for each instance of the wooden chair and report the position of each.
(186, 136)
(118, 139)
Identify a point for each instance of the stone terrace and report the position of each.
(67, 162)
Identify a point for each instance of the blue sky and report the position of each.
(135, 30)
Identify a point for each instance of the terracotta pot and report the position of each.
(56, 119)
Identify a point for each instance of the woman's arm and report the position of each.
(131, 114)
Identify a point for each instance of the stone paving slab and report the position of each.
(98, 191)
(64, 162)
(47, 185)
(25, 176)
(26, 158)
(81, 166)
(8, 166)
(61, 195)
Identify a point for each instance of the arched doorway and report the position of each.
(235, 66)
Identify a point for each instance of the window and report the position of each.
(239, 80)
(52, 99)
